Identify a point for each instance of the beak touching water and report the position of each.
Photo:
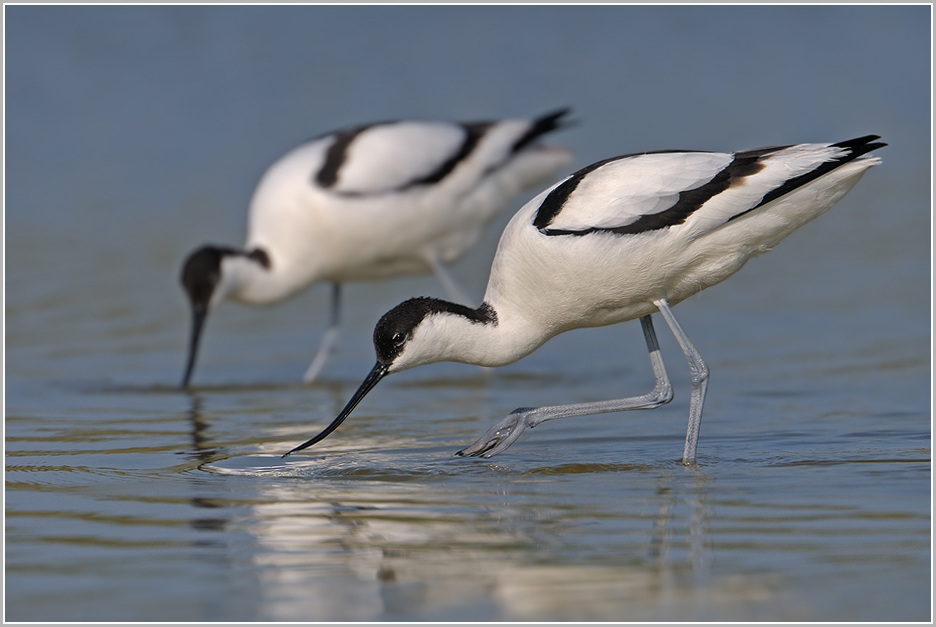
(199, 314)
(376, 374)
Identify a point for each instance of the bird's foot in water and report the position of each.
(499, 437)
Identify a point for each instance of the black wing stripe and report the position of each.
(552, 204)
(337, 153)
(473, 134)
(327, 175)
(688, 202)
(856, 148)
(744, 164)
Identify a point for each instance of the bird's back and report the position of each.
(602, 245)
(374, 200)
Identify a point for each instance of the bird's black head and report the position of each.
(201, 271)
(201, 275)
(396, 327)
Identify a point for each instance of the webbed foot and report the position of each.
(499, 437)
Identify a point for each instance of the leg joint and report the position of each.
(698, 373)
(662, 393)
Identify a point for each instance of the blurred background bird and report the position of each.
(371, 202)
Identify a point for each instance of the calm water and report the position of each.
(134, 135)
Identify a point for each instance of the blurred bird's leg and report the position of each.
(329, 340)
(454, 291)
(451, 287)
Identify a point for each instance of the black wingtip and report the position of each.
(553, 121)
(543, 124)
(554, 118)
(861, 145)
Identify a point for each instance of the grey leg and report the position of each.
(698, 376)
(451, 287)
(499, 437)
(329, 340)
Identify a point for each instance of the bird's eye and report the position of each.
(398, 339)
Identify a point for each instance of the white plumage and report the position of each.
(372, 202)
(618, 240)
(545, 279)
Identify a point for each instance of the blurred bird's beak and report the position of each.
(199, 314)
(376, 374)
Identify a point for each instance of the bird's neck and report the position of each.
(488, 339)
(254, 280)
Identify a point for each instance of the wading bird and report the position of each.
(620, 239)
(371, 202)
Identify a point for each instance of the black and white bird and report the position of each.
(620, 239)
(371, 202)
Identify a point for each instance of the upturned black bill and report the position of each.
(376, 374)
(199, 313)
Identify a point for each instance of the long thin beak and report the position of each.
(199, 314)
(376, 374)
